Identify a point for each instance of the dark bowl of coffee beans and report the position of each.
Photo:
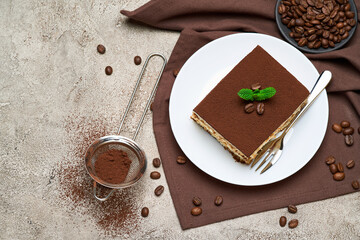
(316, 26)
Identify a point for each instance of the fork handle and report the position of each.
(320, 85)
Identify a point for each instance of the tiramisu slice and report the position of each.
(222, 112)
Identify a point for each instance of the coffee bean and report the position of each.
(292, 209)
(218, 200)
(282, 221)
(352, 22)
(196, 201)
(159, 190)
(249, 108)
(326, 34)
(137, 60)
(176, 72)
(101, 49)
(181, 160)
(156, 162)
(333, 168)
(340, 167)
(350, 164)
(144, 212)
(281, 9)
(260, 108)
(345, 35)
(320, 16)
(299, 29)
(293, 223)
(155, 175)
(349, 14)
(355, 184)
(255, 86)
(348, 131)
(330, 160)
(311, 44)
(317, 44)
(337, 128)
(340, 25)
(349, 140)
(108, 70)
(196, 211)
(302, 42)
(339, 176)
(310, 2)
(299, 22)
(312, 37)
(326, 10)
(304, 3)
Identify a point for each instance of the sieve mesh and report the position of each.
(135, 154)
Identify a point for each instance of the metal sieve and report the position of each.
(134, 151)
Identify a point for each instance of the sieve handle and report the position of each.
(99, 198)
(150, 97)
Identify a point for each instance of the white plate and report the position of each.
(203, 70)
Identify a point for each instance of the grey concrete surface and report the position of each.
(54, 95)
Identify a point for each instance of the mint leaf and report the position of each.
(264, 94)
(246, 94)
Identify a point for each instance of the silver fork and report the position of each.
(274, 148)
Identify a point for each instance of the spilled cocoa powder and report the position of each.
(119, 214)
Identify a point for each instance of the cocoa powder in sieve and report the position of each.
(117, 215)
(112, 166)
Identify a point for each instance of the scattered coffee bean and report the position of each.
(349, 140)
(260, 108)
(196, 201)
(292, 209)
(350, 164)
(159, 190)
(156, 162)
(137, 60)
(155, 175)
(340, 167)
(196, 211)
(176, 72)
(108, 70)
(218, 200)
(293, 223)
(282, 221)
(330, 160)
(255, 86)
(345, 124)
(355, 184)
(348, 131)
(181, 160)
(249, 108)
(144, 212)
(337, 128)
(333, 168)
(101, 49)
(151, 106)
(339, 176)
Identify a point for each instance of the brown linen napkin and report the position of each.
(200, 22)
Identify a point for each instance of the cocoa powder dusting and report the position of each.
(112, 166)
(119, 214)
